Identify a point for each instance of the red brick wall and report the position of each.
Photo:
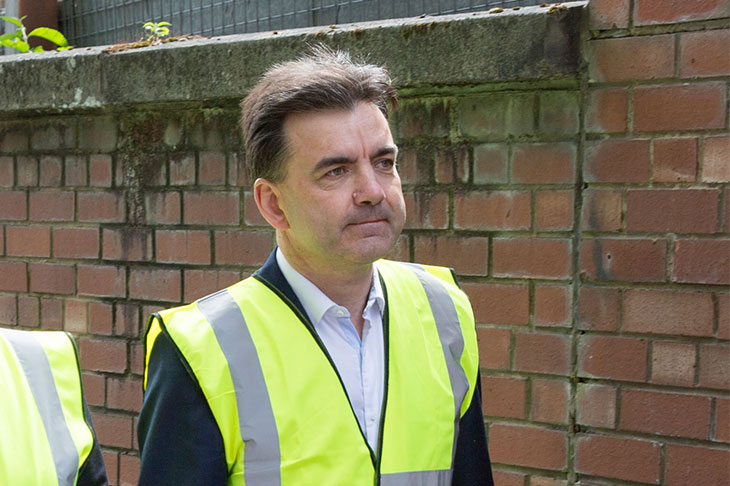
(588, 219)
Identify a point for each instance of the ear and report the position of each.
(268, 200)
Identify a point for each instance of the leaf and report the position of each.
(149, 24)
(13, 20)
(161, 24)
(16, 44)
(50, 34)
(10, 35)
(38, 49)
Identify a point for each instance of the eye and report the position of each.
(336, 172)
(386, 164)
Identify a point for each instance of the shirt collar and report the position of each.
(315, 302)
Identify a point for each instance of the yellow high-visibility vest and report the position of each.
(281, 407)
(44, 436)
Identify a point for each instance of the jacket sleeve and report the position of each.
(179, 440)
(472, 466)
(93, 472)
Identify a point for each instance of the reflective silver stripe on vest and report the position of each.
(418, 478)
(452, 340)
(37, 369)
(261, 455)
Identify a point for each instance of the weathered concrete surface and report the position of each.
(525, 44)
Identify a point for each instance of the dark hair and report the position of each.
(323, 79)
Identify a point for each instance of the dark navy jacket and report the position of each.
(180, 442)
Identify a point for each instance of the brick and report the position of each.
(609, 14)
(723, 316)
(543, 163)
(558, 112)
(702, 261)
(504, 396)
(111, 461)
(668, 312)
(714, 365)
(550, 401)
(687, 464)
(75, 316)
(672, 210)
(13, 206)
(616, 358)
(14, 140)
(494, 348)
(124, 394)
(7, 172)
(554, 210)
(182, 169)
(532, 257)
(598, 308)
(100, 170)
(155, 284)
(52, 278)
(129, 468)
(251, 214)
(103, 355)
(51, 314)
(528, 446)
(199, 283)
(451, 165)
(52, 206)
(98, 134)
(127, 244)
(617, 161)
(212, 168)
(504, 478)
(173, 133)
(103, 207)
(29, 241)
(670, 414)
(703, 54)
(215, 208)
(631, 58)
(490, 163)
(614, 259)
(683, 107)
(242, 248)
(94, 389)
(15, 277)
(102, 280)
(715, 165)
(100, 319)
(542, 353)
(543, 481)
(2, 242)
(113, 430)
(669, 11)
(29, 311)
(673, 363)
(52, 137)
(426, 210)
(675, 160)
(596, 405)
(508, 210)
(136, 358)
(722, 420)
(76, 243)
(237, 174)
(553, 306)
(423, 118)
(27, 171)
(8, 310)
(496, 115)
(725, 222)
(126, 320)
(191, 247)
(163, 208)
(499, 303)
(598, 455)
(75, 170)
(467, 255)
(51, 171)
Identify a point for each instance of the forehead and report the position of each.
(336, 132)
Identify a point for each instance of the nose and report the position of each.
(368, 189)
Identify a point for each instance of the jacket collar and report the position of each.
(271, 274)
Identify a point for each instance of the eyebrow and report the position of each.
(337, 160)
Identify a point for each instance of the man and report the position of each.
(324, 368)
(46, 437)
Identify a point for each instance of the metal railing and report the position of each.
(99, 22)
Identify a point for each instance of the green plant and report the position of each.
(154, 31)
(18, 40)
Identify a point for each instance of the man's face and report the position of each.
(341, 195)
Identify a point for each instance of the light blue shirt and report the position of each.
(359, 362)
